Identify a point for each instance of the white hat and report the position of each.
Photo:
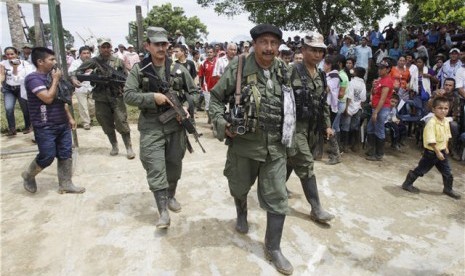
(283, 47)
(454, 50)
(130, 46)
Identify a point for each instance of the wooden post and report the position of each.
(37, 26)
(140, 29)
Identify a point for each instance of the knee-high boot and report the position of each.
(114, 144)
(29, 175)
(173, 204)
(408, 183)
(311, 193)
(127, 143)
(65, 171)
(242, 226)
(448, 182)
(274, 231)
(161, 198)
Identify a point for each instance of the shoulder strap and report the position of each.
(237, 94)
(323, 79)
(303, 76)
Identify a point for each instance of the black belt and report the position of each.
(11, 87)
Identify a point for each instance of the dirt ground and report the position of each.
(379, 229)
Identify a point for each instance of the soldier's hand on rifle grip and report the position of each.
(228, 132)
(161, 99)
(76, 83)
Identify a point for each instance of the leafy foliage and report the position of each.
(172, 19)
(68, 37)
(321, 15)
(436, 11)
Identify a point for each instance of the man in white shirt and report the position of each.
(460, 76)
(83, 94)
(130, 57)
(223, 61)
(364, 55)
(450, 67)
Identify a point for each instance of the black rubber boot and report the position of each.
(28, 175)
(209, 118)
(310, 188)
(370, 145)
(274, 231)
(448, 182)
(161, 198)
(335, 155)
(173, 204)
(242, 226)
(408, 183)
(65, 171)
(127, 143)
(199, 104)
(379, 150)
(344, 138)
(114, 144)
(355, 140)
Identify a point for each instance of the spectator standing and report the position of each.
(450, 67)
(350, 122)
(222, 62)
(207, 81)
(130, 57)
(15, 71)
(380, 103)
(84, 93)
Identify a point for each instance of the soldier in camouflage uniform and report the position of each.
(110, 109)
(308, 84)
(162, 146)
(259, 152)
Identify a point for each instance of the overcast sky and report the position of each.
(109, 18)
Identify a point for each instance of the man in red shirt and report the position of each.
(207, 81)
(380, 102)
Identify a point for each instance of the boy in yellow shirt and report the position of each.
(435, 138)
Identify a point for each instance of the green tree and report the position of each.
(172, 19)
(321, 15)
(68, 37)
(437, 11)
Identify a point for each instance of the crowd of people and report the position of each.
(283, 100)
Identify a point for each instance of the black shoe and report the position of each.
(452, 194)
(411, 189)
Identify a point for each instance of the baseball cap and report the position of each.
(246, 44)
(104, 40)
(314, 39)
(130, 46)
(157, 34)
(260, 29)
(283, 47)
(454, 50)
(28, 45)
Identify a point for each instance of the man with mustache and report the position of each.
(259, 128)
(162, 146)
(110, 109)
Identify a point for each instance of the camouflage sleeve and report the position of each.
(189, 85)
(220, 93)
(88, 64)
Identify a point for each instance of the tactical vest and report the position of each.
(152, 82)
(308, 102)
(265, 113)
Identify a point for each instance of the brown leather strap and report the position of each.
(237, 95)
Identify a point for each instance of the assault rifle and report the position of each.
(178, 110)
(99, 79)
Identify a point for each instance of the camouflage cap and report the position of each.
(103, 40)
(157, 34)
(314, 39)
(28, 45)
